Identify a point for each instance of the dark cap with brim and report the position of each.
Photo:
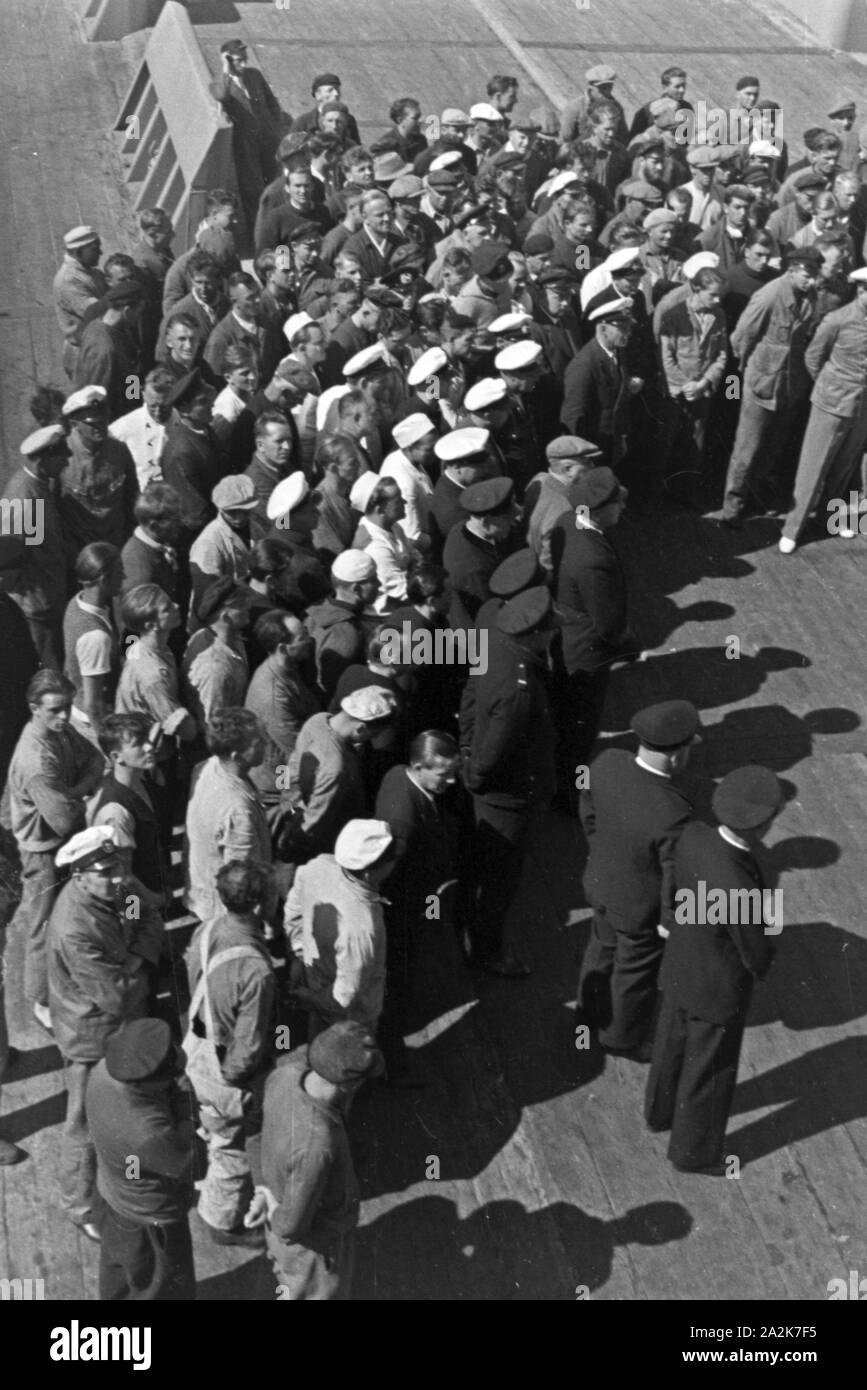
(666, 726)
(516, 573)
(747, 798)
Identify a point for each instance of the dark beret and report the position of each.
(488, 497)
(668, 725)
(517, 572)
(746, 82)
(747, 797)
(138, 1049)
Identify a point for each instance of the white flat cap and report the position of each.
(763, 149)
(354, 566)
(702, 260)
(594, 282)
(622, 257)
(361, 842)
(427, 365)
(444, 160)
(462, 444)
(564, 180)
(483, 111)
(77, 237)
(485, 393)
(286, 495)
(370, 703)
(411, 429)
(518, 357)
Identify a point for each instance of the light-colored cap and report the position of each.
(453, 115)
(659, 217)
(518, 357)
(411, 429)
(446, 160)
(234, 493)
(483, 111)
(430, 362)
(88, 847)
(370, 703)
(859, 277)
(593, 283)
(361, 842)
(77, 237)
(509, 323)
(561, 181)
(286, 495)
(353, 566)
(622, 257)
(702, 260)
(42, 440)
(295, 323)
(85, 399)
(763, 149)
(462, 444)
(361, 361)
(362, 488)
(601, 73)
(485, 393)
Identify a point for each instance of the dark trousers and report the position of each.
(758, 445)
(142, 1262)
(401, 937)
(577, 704)
(691, 1083)
(499, 842)
(617, 983)
(684, 448)
(47, 635)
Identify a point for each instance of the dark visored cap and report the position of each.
(516, 573)
(667, 725)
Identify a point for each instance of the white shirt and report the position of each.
(392, 553)
(655, 770)
(145, 440)
(229, 405)
(416, 489)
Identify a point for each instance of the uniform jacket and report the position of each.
(595, 399)
(770, 339)
(96, 969)
(97, 495)
(590, 594)
(506, 728)
(837, 361)
(709, 970)
(191, 465)
(35, 575)
(469, 562)
(632, 819)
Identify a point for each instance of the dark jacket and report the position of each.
(590, 593)
(632, 819)
(192, 465)
(339, 636)
(255, 113)
(709, 970)
(156, 1125)
(469, 562)
(506, 728)
(595, 400)
(108, 357)
(373, 263)
(424, 841)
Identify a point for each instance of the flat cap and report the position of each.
(522, 356)
(345, 1052)
(224, 592)
(353, 566)
(668, 725)
(289, 493)
(516, 573)
(538, 244)
(292, 144)
(803, 255)
(507, 159)
(474, 212)
(453, 115)
(702, 260)
(49, 439)
(488, 497)
(325, 79)
(368, 359)
(88, 848)
(525, 122)
(88, 398)
(840, 107)
(491, 260)
(756, 177)
(295, 323)
(433, 360)
(809, 179)
(233, 46)
(650, 139)
(747, 797)
(411, 429)
(124, 293)
(405, 188)
(646, 192)
(485, 393)
(526, 612)
(483, 111)
(560, 182)
(389, 166)
(304, 231)
(746, 82)
(442, 178)
(361, 842)
(703, 156)
(601, 73)
(572, 447)
(595, 488)
(77, 237)
(369, 704)
(234, 493)
(138, 1049)
(462, 444)
(660, 217)
(513, 322)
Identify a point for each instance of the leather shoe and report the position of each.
(10, 1154)
(709, 1170)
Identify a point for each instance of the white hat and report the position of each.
(564, 180)
(444, 160)
(518, 357)
(509, 323)
(594, 282)
(488, 391)
(361, 842)
(702, 260)
(286, 495)
(353, 566)
(483, 111)
(362, 488)
(364, 359)
(40, 440)
(621, 258)
(88, 847)
(294, 324)
(430, 362)
(370, 703)
(763, 149)
(607, 304)
(77, 237)
(81, 400)
(411, 429)
(462, 444)
(235, 492)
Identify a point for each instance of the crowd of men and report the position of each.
(257, 495)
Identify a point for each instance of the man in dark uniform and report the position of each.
(257, 120)
(507, 737)
(473, 551)
(463, 461)
(590, 592)
(712, 956)
(632, 814)
(595, 386)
